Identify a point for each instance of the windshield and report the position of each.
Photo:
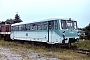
(68, 24)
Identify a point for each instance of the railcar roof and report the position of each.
(40, 20)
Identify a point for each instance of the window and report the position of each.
(27, 26)
(12, 28)
(33, 27)
(24, 26)
(75, 25)
(16, 28)
(56, 24)
(68, 24)
(20, 27)
(63, 24)
(39, 27)
(44, 25)
(51, 24)
(7, 28)
(36, 27)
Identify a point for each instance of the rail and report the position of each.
(83, 51)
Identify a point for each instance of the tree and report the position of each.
(12, 21)
(17, 18)
(87, 31)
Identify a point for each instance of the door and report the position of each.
(50, 30)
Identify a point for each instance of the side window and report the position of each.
(12, 28)
(16, 28)
(24, 26)
(33, 27)
(44, 25)
(7, 28)
(20, 27)
(27, 26)
(39, 26)
(75, 25)
(56, 24)
(51, 24)
(63, 24)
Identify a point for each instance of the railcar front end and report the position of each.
(5, 31)
(69, 31)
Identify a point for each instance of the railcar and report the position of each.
(5, 30)
(51, 31)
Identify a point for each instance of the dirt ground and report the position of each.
(20, 51)
(18, 54)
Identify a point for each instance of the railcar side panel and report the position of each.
(41, 36)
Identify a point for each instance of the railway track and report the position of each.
(74, 48)
(83, 51)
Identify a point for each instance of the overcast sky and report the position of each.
(30, 10)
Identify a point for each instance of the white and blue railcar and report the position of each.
(52, 31)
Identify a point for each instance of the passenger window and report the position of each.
(16, 28)
(7, 28)
(51, 24)
(75, 25)
(44, 25)
(20, 26)
(56, 24)
(33, 27)
(27, 26)
(36, 27)
(39, 27)
(24, 26)
(12, 28)
(63, 24)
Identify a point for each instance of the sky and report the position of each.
(31, 10)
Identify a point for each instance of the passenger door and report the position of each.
(50, 30)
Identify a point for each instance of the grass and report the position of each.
(63, 54)
(83, 44)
